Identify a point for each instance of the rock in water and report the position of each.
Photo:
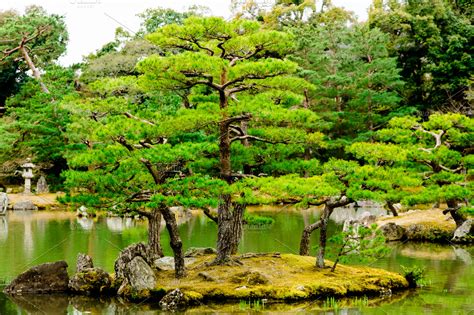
(140, 275)
(41, 186)
(90, 281)
(24, 205)
(44, 278)
(173, 300)
(464, 233)
(83, 262)
(393, 232)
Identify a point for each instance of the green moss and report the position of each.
(287, 277)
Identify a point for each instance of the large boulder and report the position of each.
(24, 205)
(127, 255)
(44, 278)
(83, 262)
(90, 281)
(134, 276)
(393, 232)
(140, 275)
(464, 233)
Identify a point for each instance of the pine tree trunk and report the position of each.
(392, 209)
(323, 235)
(453, 210)
(229, 224)
(154, 225)
(175, 241)
(225, 233)
(237, 219)
(306, 236)
(33, 69)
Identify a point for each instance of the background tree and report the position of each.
(36, 38)
(433, 45)
(35, 124)
(356, 83)
(438, 150)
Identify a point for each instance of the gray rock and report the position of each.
(90, 281)
(83, 262)
(24, 205)
(367, 218)
(3, 203)
(172, 300)
(82, 212)
(206, 277)
(164, 263)
(464, 233)
(140, 275)
(393, 232)
(199, 251)
(127, 255)
(167, 262)
(44, 278)
(41, 186)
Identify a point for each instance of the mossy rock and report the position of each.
(249, 277)
(90, 281)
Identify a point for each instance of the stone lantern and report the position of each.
(27, 175)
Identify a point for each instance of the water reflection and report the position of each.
(340, 215)
(85, 223)
(117, 224)
(3, 228)
(49, 236)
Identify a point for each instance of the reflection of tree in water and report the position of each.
(3, 229)
(458, 269)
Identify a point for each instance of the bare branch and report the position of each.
(436, 136)
(249, 137)
(129, 115)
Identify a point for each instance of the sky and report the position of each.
(92, 23)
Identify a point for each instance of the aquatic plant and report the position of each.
(415, 275)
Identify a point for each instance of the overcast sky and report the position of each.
(92, 23)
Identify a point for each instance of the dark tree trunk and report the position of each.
(225, 233)
(229, 220)
(305, 238)
(175, 241)
(154, 225)
(392, 209)
(323, 235)
(453, 208)
(237, 219)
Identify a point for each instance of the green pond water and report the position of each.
(31, 238)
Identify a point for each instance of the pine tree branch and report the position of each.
(129, 115)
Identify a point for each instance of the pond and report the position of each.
(31, 238)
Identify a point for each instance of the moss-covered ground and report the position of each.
(424, 225)
(277, 277)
